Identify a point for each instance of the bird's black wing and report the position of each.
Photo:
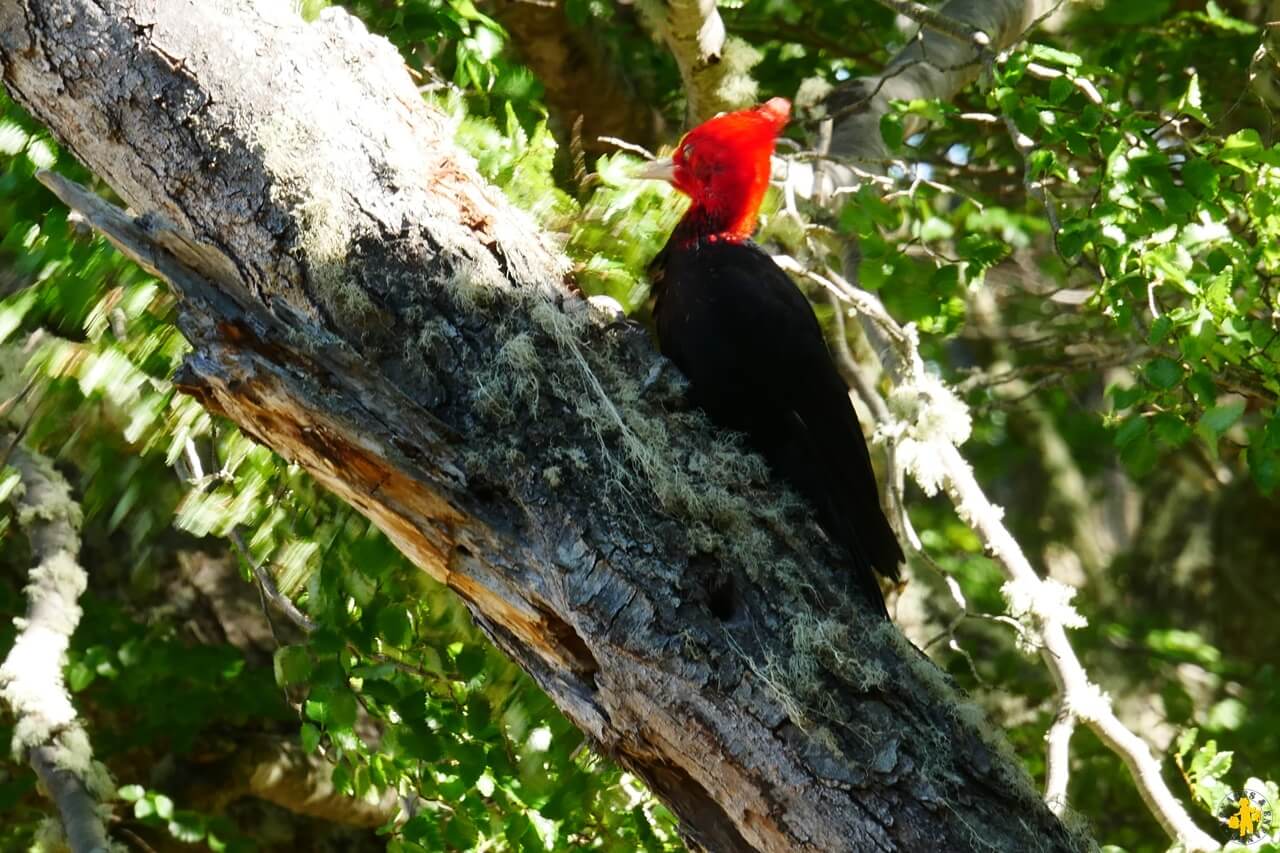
(748, 341)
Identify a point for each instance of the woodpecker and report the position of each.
(748, 341)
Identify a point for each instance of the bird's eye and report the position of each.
(687, 151)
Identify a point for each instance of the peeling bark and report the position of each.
(360, 301)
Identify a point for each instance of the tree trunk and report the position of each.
(360, 301)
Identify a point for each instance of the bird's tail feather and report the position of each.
(823, 481)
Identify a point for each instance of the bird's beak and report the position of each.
(656, 170)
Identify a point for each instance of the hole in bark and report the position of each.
(722, 597)
(583, 661)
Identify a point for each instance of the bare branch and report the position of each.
(269, 589)
(1058, 760)
(48, 732)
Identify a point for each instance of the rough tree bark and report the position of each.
(359, 300)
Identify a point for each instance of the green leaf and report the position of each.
(316, 709)
(1163, 373)
(1201, 178)
(332, 706)
(1183, 645)
(1228, 714)
(1041, 162)
(471, 762)
(1186, 740)
(187, 827)
(1242, 149)
(891, 130)
(80, 676)
(479, 714)
(1201, 385)
(310, 737)
(1125, 397)
(341, 777)
(164, 806)
(292, 665)
(874, 273)
(1211, 764)
(1214, 14)
(420, 743)
(130, 793)
(935, 228)
(361, 782)
(1140, 456)
(1264, 467)
(460, 832)
(1170, 429)
(470, 662)
(395, 626)
(422, 829)
(326, 641)
(1060, 89)
(1053, 56)
(342, 709)
(981, 251)
(1191, 103)
(1219, 419)
(1132, 430)
(1160, 329)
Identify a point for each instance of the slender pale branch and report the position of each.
(1058, 760)
(267, 584)
(48, 733)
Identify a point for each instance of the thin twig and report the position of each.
(267, 589)
(267, 584)
(628, 146)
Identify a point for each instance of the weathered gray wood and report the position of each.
(360, 301)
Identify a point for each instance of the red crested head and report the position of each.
(723, 166)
